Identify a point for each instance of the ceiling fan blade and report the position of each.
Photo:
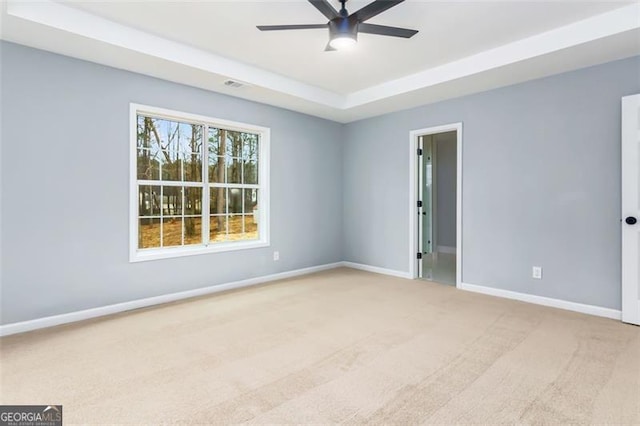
(290, 27)
(375, 8)
(329, 48)
(325, 8)
(386, 31)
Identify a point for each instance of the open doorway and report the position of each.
(436, 216)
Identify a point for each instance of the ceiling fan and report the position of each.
(344, 27)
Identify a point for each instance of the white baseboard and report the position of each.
(446, 249)
(35, 324)
(545, 301)
(24, 326)
(377, 270)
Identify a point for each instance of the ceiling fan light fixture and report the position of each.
(343, 41)
(343, 33)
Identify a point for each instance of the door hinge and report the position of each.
(419, 255)
(419, 203)
(419, 151)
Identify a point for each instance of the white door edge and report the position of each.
(630, 174)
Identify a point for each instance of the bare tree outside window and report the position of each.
(232, 178)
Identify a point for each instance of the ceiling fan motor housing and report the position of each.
(344, 27)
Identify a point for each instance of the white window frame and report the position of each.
(264, 134)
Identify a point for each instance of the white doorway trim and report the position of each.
(413, 196)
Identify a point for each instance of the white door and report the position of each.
(426, 229)
(631, 209)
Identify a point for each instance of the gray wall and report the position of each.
(541, 184)
(65, 187)
(446, 171)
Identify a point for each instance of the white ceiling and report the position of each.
(462, 47)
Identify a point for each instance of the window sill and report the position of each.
(167, 253)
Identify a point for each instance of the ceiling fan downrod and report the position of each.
(343, 9)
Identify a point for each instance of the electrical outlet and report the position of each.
(536, 272)
(276, 256)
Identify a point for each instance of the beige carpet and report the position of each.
(342, 346)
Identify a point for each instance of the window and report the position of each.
(198, 185)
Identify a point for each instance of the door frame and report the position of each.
(413, 195)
